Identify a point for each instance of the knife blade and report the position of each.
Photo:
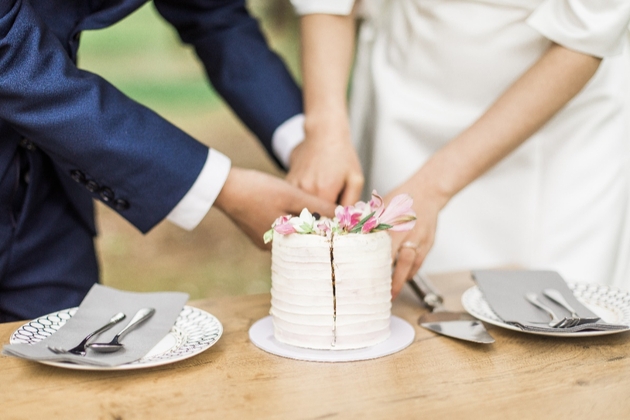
(458, 325)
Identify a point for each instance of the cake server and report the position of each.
(458, 325)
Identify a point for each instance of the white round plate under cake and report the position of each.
(610, 304)
(402, 335)
(194, 331)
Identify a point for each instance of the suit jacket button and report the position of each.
(92, 186)
(27, 144)
(78, 176)
(106, 194)
(121, 204)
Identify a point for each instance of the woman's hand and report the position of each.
(326, 165)
(410, 248)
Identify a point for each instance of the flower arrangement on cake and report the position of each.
(369, 217)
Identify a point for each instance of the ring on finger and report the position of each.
(410, 245)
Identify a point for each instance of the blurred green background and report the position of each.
(143, 56)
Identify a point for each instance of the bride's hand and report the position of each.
(325, 164)
(410, 248)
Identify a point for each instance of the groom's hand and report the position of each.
(253, 200)
(325, 164)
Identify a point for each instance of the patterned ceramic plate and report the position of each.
(194, 331)
(611, 305)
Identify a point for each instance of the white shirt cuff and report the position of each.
(191, 209)
(288, 135)
(333, 7)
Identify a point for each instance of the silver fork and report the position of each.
(80, 348)
(555, 321)
(557, 297)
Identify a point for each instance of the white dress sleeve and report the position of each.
(595, 27)
(333, 7)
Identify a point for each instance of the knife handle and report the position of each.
(426, 291)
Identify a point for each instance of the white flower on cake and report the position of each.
(363, 217)
(331, 278)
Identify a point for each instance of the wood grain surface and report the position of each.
(521, 376)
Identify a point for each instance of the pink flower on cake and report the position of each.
(347, 217)
(399, 213)
(376, 202)
(369, 224)
(283, 226)
(323, 227)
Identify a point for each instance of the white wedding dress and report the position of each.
(427, 69)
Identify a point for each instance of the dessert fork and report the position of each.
(557, 297)
(555, 321)
(79, 350)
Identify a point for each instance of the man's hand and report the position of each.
(253, 200)
(325, 164)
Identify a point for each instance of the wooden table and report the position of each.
(520, 376)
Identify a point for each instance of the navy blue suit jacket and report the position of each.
(85, 124)
(67, 136)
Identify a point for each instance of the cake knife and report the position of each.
(458, 325)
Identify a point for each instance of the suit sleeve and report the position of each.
(250, 77)
(87, 126)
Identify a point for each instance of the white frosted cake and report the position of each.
(331, 292)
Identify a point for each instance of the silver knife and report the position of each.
(458, 325)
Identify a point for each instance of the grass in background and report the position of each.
(144, 57)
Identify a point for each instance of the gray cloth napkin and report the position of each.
(505, 290)
(100, 304)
